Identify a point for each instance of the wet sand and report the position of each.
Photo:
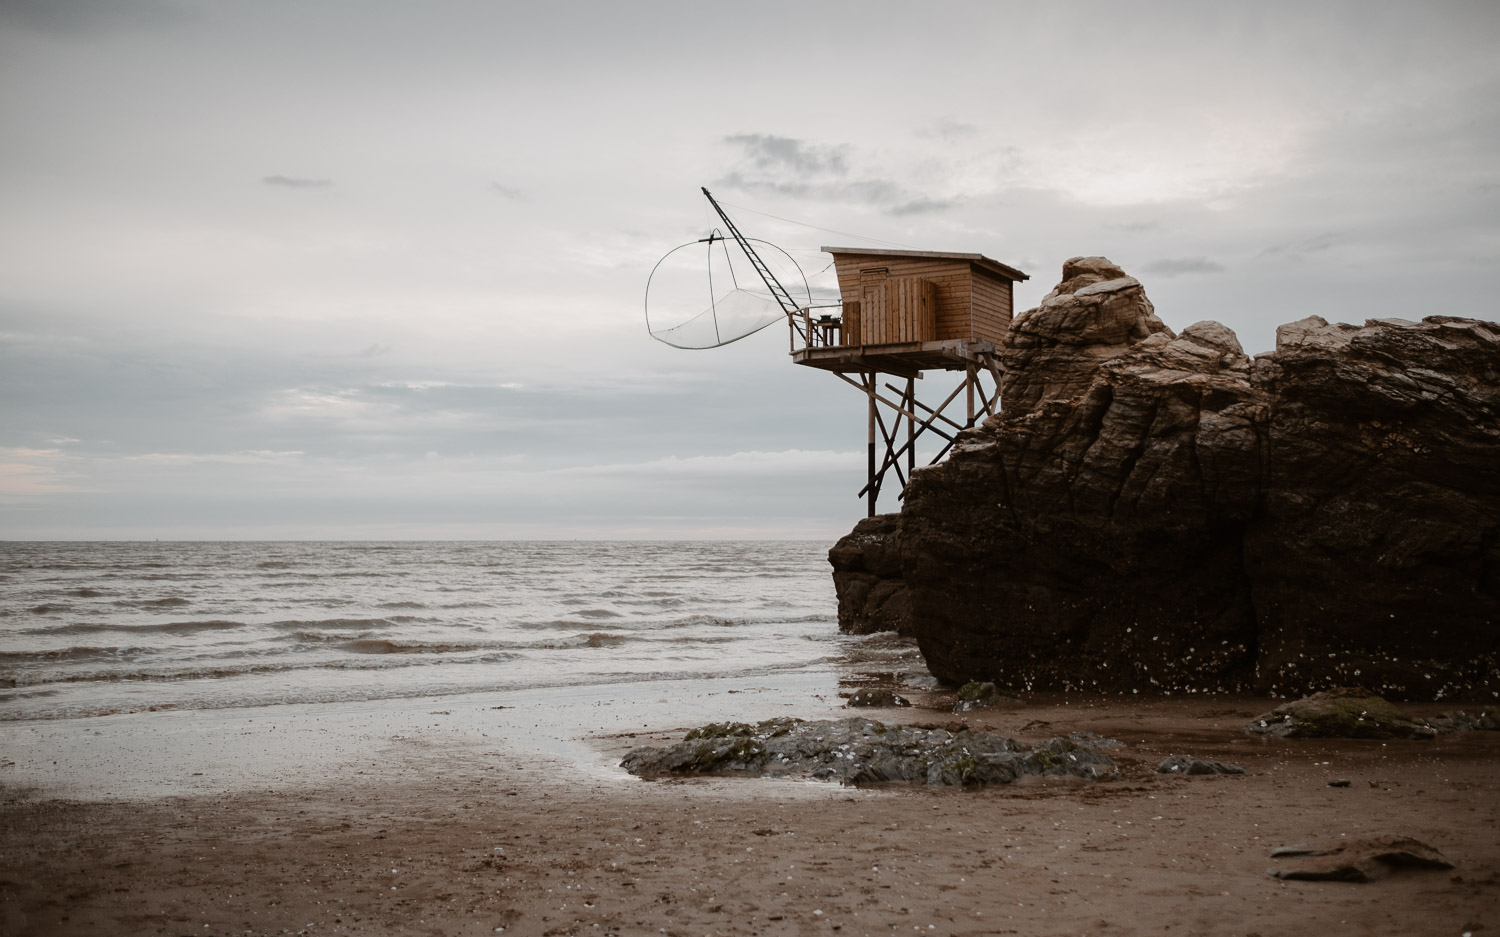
(452, 816)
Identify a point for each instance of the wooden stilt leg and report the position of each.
(911, 426)
(969, 392)
(872, 490)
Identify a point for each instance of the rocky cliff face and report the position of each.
(1155, 512)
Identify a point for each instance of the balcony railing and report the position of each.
(812, 327)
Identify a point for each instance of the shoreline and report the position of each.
(519, 818)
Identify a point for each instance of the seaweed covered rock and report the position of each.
(1346, 713)
(863, 751)
(1459, 720)
(1156, 512)
(979, 695)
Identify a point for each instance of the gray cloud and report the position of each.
(1135, 227)
(1312, 245)
(791, 168)
(922, 206)
(949, 130)
(90, 18)
(297, 182)
(780, 154)
(1177, 266)
(514, 194)
(876, 191)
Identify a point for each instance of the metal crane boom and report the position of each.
(782, 297)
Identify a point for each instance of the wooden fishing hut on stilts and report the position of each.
(902, 313)
(899, 313)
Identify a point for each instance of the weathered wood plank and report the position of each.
(851, 317)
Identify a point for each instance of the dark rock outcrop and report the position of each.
(1155, 512)
(867, 578)
(862, 751)
(1376, 557)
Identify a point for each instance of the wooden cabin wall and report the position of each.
(949, 277)
(898, 309)
(850, 334)
(972, 304)
(991, 306)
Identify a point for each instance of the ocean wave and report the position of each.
(171, 627)
(720, 621)
(664, 601)
(294, 624)
(171, 601)
(399, 646)
(49, 608)
(698, 639)
(603, 639)
(326, 637)
(6, 697)
(77, 652)
(170, 674)
(560, 612)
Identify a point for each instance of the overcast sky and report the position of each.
(363, 269)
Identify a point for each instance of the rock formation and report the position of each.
(1156, 512)
(867, 579)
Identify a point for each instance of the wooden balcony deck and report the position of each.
(904, 358)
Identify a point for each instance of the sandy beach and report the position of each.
(466, 815)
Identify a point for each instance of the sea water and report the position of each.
(91, 629)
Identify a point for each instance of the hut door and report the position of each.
(873, 321)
